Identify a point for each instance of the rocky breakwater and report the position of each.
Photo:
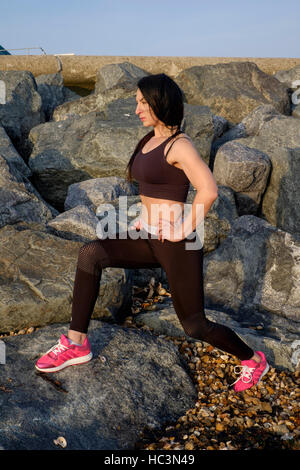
(61, 160)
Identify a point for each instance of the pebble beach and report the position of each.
(265, 417)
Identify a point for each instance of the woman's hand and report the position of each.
(137, 225)
(172, 231)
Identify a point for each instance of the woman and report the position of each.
(164, 163)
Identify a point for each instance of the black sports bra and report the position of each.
(157, 178)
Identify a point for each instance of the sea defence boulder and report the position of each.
(20, 201)
(37, 271)
(22, 109)
(233, 90)
(279, 138)
(135, 380)
(113, 82)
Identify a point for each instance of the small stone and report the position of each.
(189, 445)
(161, 291)
(167, 446)
(280, 429)
(151, 447)
(249, 422)
(224, 357)
(219, 427)
(150, 307)
(271, 390)
(205, 359)
(266, 407)
(60, 441)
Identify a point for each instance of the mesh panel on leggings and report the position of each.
(91, 256)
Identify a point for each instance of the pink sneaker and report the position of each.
(64, 354)
(251, 373)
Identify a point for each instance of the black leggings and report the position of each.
(184, 270)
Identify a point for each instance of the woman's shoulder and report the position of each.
(179, 139)
(179, 145)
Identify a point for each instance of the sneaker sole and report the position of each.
(266, 370)
(70, 362)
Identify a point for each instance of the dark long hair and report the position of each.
(165, 98)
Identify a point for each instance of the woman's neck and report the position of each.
(162, 131)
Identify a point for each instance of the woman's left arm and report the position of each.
(201, 178)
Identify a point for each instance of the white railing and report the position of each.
(30, 48)
(24, 49)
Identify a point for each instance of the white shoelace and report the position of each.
(57, 348)
(245, 374)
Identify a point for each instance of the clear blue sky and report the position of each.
(219, 28)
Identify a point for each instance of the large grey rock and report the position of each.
(254, 121)
(232, 90)
(281, 201)
(255, 269)
(53, 92)
(79, 107)
(220, 126)
(231, 133)
(113, 82)
(97, 191)
(9, 153)
(200, 124)
(19, 199)
(22, 110)
(103, 405)
(288, 77)
(78, 224)
(219, 219)
(249, 126)
(119, 79)
(279, 138)
(281, 347)
(37, 272)
(246, 171)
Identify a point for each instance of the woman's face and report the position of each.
(144, 111)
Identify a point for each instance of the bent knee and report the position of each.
(91, 256)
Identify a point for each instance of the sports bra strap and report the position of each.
(183, 137)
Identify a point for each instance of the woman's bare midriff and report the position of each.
(153, 209)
